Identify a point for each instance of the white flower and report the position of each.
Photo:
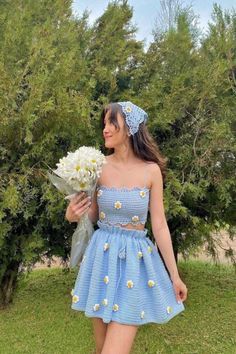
(75, 298)
(142, 194)
(117, 204)
(106, 279)
(105, 302)
(128, 109)
(99, 193)
(106, 246)
(142, 314)
(169, 309)
(80, 169)
(140, 254)
(115, 307)
(102, 215)
(76, 172)
(96, 307)
(130, 284)
(151, 283)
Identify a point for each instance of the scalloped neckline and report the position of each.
(125, 189)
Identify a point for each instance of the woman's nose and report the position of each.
(106, 129)
(105, 132)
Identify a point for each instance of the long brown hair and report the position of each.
(143, 143)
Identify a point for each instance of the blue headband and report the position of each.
(134, 115)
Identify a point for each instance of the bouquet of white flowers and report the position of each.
(76, 172)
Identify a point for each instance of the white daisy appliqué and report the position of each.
(99, 193)
(142, 194)
(140, 254)
(106, 246)
(106, 279)
(130, 284)
(96, 307)
(142, 314)
(75, 298)
(105, 302)
(128, 109)
(151, 283)
(115, 307)
(102, 215)
(169, 309)
(117, 204)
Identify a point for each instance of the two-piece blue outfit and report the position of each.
(122, 277)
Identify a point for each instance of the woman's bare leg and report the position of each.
(100, 329)
(119, 338)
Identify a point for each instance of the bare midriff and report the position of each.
(130, 226)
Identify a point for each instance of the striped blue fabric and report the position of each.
(122, 277)
(123, 205)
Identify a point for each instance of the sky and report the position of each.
(145, 12)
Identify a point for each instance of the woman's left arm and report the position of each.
(161, 231)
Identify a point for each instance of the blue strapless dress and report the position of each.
(122, 277)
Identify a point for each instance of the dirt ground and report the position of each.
(224, 242)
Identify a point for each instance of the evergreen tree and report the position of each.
(114, 52)
(44, 101)
(190, 93)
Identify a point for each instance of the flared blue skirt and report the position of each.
(122, 278)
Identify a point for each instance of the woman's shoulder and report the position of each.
(155, 174)
(153, 170)
(153, 166)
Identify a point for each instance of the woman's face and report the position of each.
(114, 136)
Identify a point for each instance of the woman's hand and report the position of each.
(77, 207)
(180, 289)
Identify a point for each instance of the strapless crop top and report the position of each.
(123, 205)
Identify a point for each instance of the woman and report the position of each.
(122, 282)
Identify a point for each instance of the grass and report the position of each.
(40, 319)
